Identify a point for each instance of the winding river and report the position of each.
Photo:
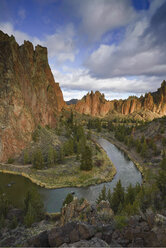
(53, 198)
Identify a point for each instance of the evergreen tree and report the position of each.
(26, 157)
(130, 195)
(30, 216)
(98, 126)
(68, 199)
(109, 197)
(138, 146)
(89, 135)
(38, 161)
(144, 149)
(50, 157)
(4, 204)
(2, 221)
(142, 139)
(161, 178)
(55, 157)
(61, 155)
(86, 159)
(102, 196)
(117, 197)
(33, 198)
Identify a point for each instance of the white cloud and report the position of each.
(61, 44)
(98, 16)
(134, 56)
(77, 82)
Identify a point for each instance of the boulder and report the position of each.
(94, 242)
(40, 240)
(69, 233)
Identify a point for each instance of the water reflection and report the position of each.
(53, 198)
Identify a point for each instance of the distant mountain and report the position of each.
(152, 105)
(72, 101)
(29, 95)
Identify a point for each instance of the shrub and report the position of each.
(35, 135)
(69, 198)
(120, 221)
(10, 161)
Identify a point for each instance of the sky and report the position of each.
(115, 46)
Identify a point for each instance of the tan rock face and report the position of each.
(29, 95)
(95, 104)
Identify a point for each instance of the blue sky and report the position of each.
(115, 46)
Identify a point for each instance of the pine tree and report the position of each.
(86, 159)
(117, 196)
(109, 197)
(38, 161)
(55, 157)
(102, 196)
(144, 149)
(61, 155)
(2, 221)
(30, 216)
(68, 199)
(138, 146)
(50, 157)
(33, 198)
(89, 135)
(4, 204)
(161, 178)
(26, 157)
(130, 195)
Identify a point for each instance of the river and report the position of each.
(53, 198)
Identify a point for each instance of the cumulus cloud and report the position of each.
(77, 82)
(142, 52)
(98, 17)
(60, 44)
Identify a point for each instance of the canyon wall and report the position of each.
(29, 95)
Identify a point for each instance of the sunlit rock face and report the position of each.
(95, 104)
(29, 95)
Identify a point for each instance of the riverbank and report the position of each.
(129, 153)
(67, 174)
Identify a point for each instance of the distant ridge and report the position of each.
(152, 105)
(72, 101)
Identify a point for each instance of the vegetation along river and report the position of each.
(16, 186)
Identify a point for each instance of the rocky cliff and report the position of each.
(95, 104)
(29, 95)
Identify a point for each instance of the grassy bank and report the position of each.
(67, 174)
